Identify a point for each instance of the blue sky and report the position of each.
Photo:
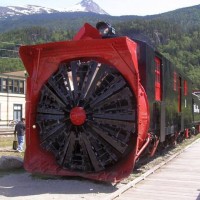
(113, 7)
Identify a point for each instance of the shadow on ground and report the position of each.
(25, 184)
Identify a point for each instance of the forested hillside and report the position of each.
(180, 45)
(12, 40)
(176, 34)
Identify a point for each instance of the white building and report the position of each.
(12, 97)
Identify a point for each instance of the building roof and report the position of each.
(16, 73)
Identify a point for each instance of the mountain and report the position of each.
(83, 6)
(175, 34)
(187, 17)
(86, 6)
(11, 11)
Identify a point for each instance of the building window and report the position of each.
(17, 112)
(21, 87)
(4, 85)
(16, 86)
(185, 88)
(157, 79)
(10, 86)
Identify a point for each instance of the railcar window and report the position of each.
(175, 81)
(185, 88)
(157, 79)
(179, 94)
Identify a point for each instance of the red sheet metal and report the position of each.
(42, 60)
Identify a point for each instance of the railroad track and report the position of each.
(97, 190)
(6, 131)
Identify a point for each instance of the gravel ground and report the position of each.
(24, 186)
(27, 187)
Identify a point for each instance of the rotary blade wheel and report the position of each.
(87, 116)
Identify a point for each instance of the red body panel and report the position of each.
(41, 61)
(158, 91)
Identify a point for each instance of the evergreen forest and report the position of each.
(175, 34)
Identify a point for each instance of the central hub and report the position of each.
(77, 116)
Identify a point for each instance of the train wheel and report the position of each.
(87, 116)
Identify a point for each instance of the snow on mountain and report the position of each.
(31, 9)
(86, 6)
(83, 6)
(23, 10)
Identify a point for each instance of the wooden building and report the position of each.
(12, 97)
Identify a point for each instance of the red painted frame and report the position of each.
(42, 60)
(158, 91)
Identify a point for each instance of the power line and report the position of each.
(8, 50)
(9, 57)
(14, 55)
(10, 43)
(9, 53)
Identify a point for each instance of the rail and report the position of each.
(6, 131)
